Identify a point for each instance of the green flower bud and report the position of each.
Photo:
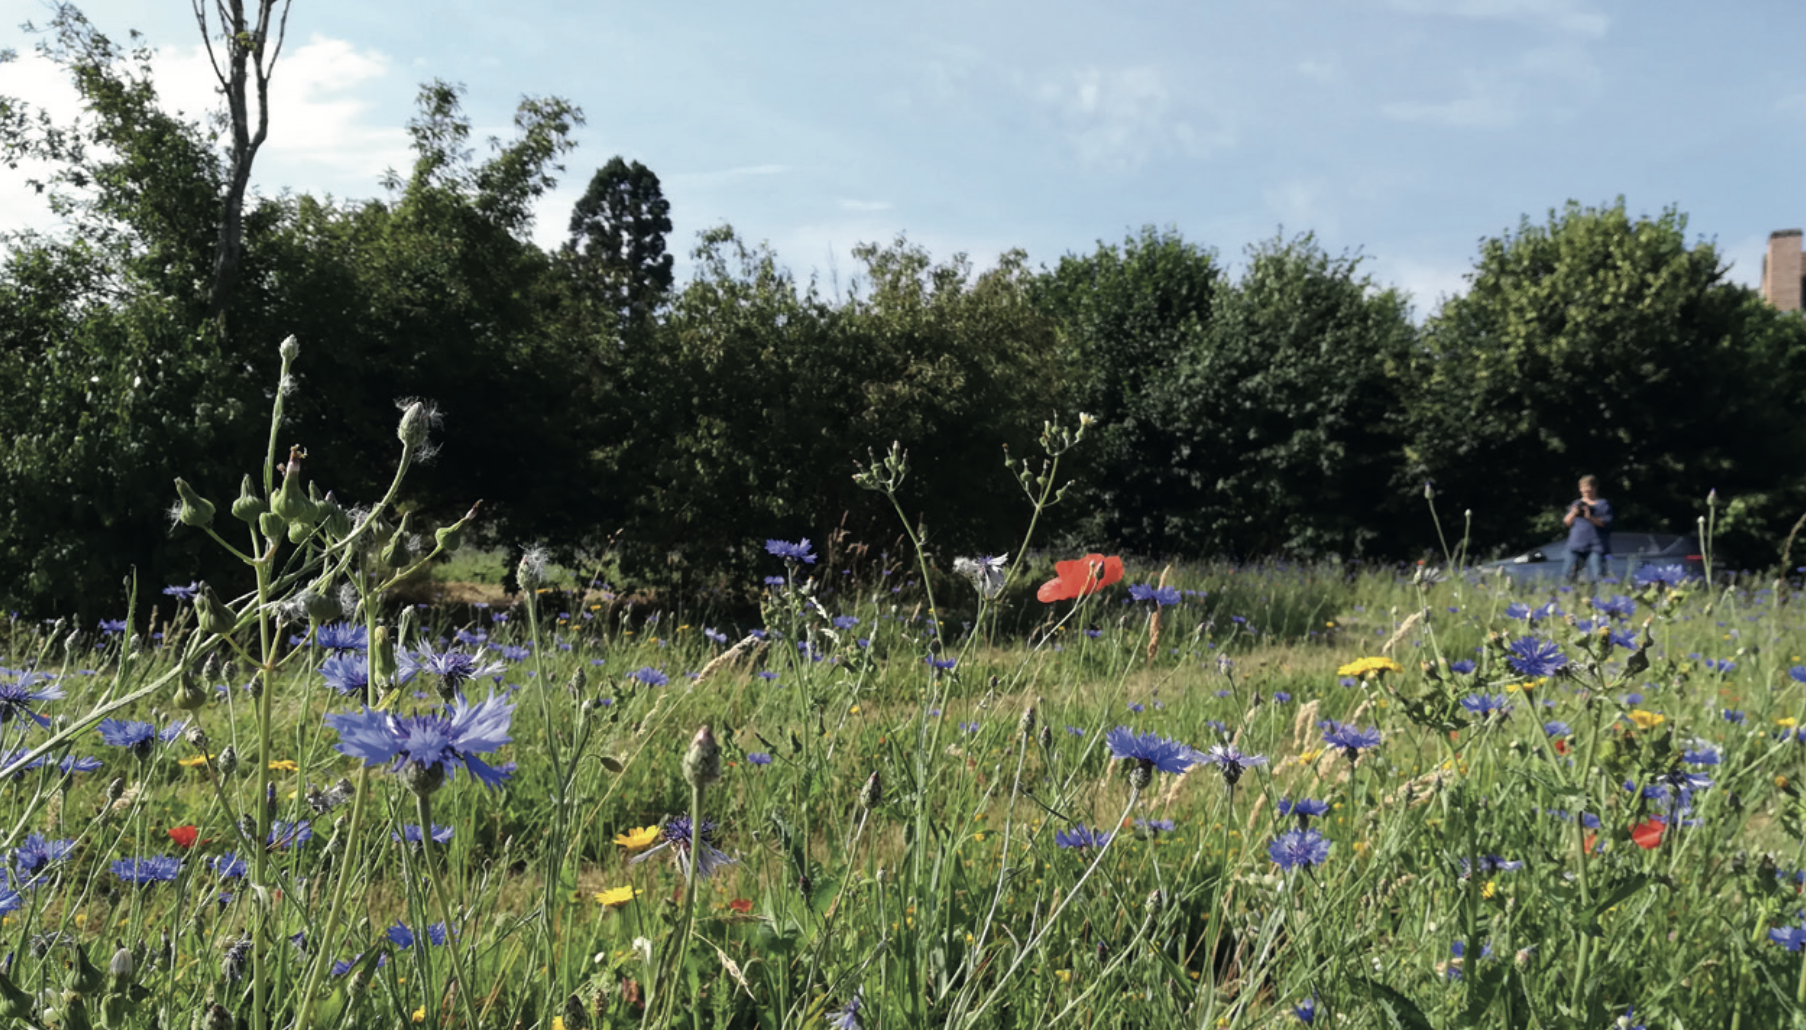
(121, 970)
(298, 532)
(320, 604)
(450, 538)
(576, 1016)
(382, 655)
(291, 500)
(336, 519)
(872, 794)
(227, 762)
(397, 554)
(248, 506)
(415, 421)
(85, 976)
(190, 694)
(289, 349)
(211, 614)
(195, 510)
(14, 1003)
(1141, 774)
(422, 779)
(75, 1013)
(272, 526)
(702, 762)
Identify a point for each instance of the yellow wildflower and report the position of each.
(420, 1014)
(285, 765)
(615, 897)
(194, 760)
(1787, 722)
(1646, 720)
(634, 840)
(1489, 888)
(1365, 667)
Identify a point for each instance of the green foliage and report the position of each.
(616, 250)
(1606, 345)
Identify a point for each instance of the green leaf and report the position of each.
(1401, 1012)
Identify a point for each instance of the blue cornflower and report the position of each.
(775, 581)
(72, 764)
(1706, 755)
(1462, 667)
(714, 635)
(1798, 673)
(1719, 664)
(1732, 715)
(941, 664)
(677, 837)
(758, 758)
(454, 668)
(1150, 750)
(1789, 937)
(1492, 864)
(289, 835)
(1298, 847)
(142, 871)
(968, 727)
(788, 551)
(37, 853)
(1624, 638)
(1306, 1011)
(649, 676)
(847, 1016)
(113, 627)
(183, 593)
(1280, 697)
(516, 654)
(1616, 605)
(845, 622)
(428, 748)
(1667, 575)
(402, 937)
(1533, 657)
(348, 674)
(342, 637)
(764, 674)
(1153, 826)
(1081, 836)
(137, 737)
(1557, 728)
(1486, 705)
(1232, 762)
(1305, 809)
(229, 866)
(18, 694)
(1137, 707)
(1164, 597)
(1351, 739)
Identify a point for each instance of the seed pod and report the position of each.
(248, 506)
(195, 510)
(210, 613)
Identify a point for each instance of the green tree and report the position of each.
(1598, 343)
(1127, 316)
(1287, 411)
(617, 241)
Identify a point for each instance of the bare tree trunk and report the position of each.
(247, 57)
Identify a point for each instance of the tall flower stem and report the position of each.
(555, 850)
(668, 984)
(347, 869)
(260, 855)
(436, 873)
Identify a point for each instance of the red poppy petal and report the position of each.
(1053, 590)
(1648, 834)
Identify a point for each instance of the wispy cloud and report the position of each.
(864, 205)
(728, 174)
(1120, 119)
(1487, 105)
(1569, 16)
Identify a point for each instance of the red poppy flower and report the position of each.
(184, 836)
(1648, 833)
(741, 905)
(1080, 577)
(1561, 746)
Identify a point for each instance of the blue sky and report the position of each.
(1406, 129)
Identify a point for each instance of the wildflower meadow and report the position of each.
(913, 789)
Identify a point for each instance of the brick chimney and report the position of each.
(1784, 271)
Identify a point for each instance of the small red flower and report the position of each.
(1080, 577)
(741, 905)
(1561, 746)
(1648, 833)
(184, 836)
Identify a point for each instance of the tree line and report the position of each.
(596, 405)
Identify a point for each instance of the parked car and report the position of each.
(1630, 552)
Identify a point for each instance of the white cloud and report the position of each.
(1570, 16)
(1322, 71)
(1301, 203)
(1121, 119)
(1427, 283)
(1486, 106)
(864, 205)
(728, 174)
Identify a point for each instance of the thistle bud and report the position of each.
(576, 1016)
(196, 737)
(576, 683)
(289, 349)
(210, 613)
(195, 510)
(872, 794)
(121, 969)
(702, 762)
(1141, 774)
(190, 694)
(248, 506)
(1046, 737)
(1154, 903)
(397, 555)
(415, 422)
(1026, 725)
(422, 779)
(115, 789)
(227, 762)
(69, 645)
(531, 572)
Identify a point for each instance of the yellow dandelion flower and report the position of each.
(194, 760)
(557, 1023)
(615, 897)
(1646, 720)
(1781, 781)
(420, 1014)
(1369, 667)
(1489, 888)
(634, 840)
(1310, 756)
(285, 765)
(1787, 722)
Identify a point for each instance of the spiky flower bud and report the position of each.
(415, 421)
(289, 349)
(531, 572)
(1026, 725)
(291, 501)
(1154, 903)
(872, 794)
(320, 604)
(210, 613)
(1141, 774)
(72, 642)
(382, 655)
(576, 1015)
(190, 694)
(121, 970)
(115, 789)
(195, 510)
(227, 762)
(196, 738)
(422, 779)
(397, 554)
(702, 762)
(1046, 737)
(248, 506)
